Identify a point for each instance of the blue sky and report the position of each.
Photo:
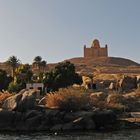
(58, 29)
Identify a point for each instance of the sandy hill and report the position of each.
(4, 66)
(104, 61)
(103, 65)
(108, 65)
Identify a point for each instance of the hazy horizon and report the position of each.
(58, 29)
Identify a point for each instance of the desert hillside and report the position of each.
(104, 61)
(102, 65)
(109, 65)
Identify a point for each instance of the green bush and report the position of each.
(62, 76)
(15, 87)
(4, 80)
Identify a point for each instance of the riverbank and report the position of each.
(22, 113)
(115, 135)
(54, 120)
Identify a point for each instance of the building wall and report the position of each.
(95, 52)
(87, 52)
(103, 52)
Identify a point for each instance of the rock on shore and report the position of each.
(21, 112)
(54, 120)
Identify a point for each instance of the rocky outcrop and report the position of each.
(6, 119)
(21, 102)
(98, 95)
(55, 120)
(128, 83)
(43, 101)
(21, 112)
(111, 86)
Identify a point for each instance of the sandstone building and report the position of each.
(95, 51)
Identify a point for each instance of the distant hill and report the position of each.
(104, 61)
(107, 65)
(103, 65)
(5, 67)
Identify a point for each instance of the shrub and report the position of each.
(98, 99)
(117, 107)
(4, 96)
(68, 99)
(4, 80)
(115, 98)
(133, 99)
(15, 87)
(116, 102)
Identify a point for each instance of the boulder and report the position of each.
(23, 101)
(28, 100)
(12, 102)
(98, 96)
(57, 127)
(71, 116)
(33, 123)
(111, 86)
(85, 122)
(43, 101)
(51, 112)
(103, 118)
(128, 83)
(90, 124)
(6, 119)
(115, 98)
(68, 126)
(54, 116)
(106, 83)
(32, 113)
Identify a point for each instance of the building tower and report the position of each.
(95, 51)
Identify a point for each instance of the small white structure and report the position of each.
(38, 86)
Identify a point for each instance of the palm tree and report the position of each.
(13, 62)
(43, 65)
(39, 63)
(37, 59)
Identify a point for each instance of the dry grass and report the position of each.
(98, 99)
(117, 102)
(76, 99)
(133, 100)
(68, 99)
(3, 96)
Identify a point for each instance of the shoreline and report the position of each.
(55, 120)
(21, 132)
(20, 112)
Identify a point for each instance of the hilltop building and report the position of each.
(95, 51)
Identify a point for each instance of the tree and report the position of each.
(13, 62)
(24, 73)
(37, 59)
(23, 76)
(4, 80)
(41, 64)
(62, 76)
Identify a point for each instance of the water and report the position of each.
(117, 135)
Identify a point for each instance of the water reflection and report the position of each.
(118, 135)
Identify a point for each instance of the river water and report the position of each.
(116, 135)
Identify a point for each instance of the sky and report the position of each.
(58, 29)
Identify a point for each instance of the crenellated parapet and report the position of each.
(95, 51)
